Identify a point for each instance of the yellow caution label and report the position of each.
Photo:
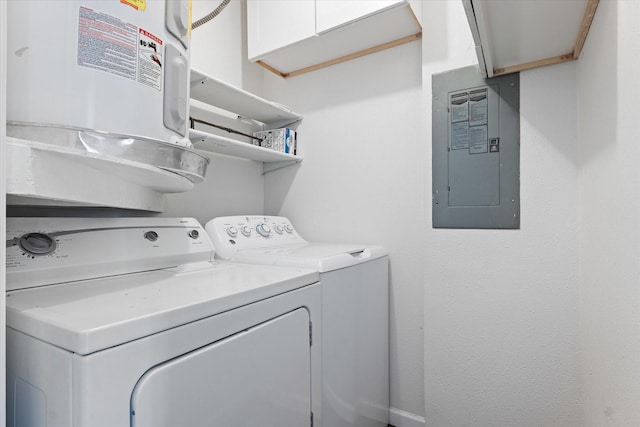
(136, 4)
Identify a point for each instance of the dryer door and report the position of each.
(258, 377)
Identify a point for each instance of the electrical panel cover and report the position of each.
(476, 150)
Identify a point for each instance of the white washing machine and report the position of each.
(355, 310)
(129, 322)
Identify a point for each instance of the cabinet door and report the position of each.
(333, 13)
(278, 23)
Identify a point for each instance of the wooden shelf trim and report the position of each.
(585, 25)
(533, 64)
(587, 19)
(344, 58)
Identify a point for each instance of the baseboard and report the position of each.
(400, 418)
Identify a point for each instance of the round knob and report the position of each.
(232, 231)
(264, 230)
(194, 234)
(151, 236)
(279, 229)
(288, 228)
(246, 230)
(37, 243)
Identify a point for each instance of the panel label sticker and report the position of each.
(460, 135)
(478, 107)
(459, 108)
(478, 139)
(468, 121)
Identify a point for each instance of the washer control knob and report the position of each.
(246, 230)
(37, 243)
(151, 236)
(232, 231)
(264, 230)
(279, 229)
(288, 228)
(194, 234)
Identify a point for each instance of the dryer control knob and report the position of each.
(279, 229)
(37, 243)
(194, 234)
(264, 230)
(246, 230)
(151, 236)
(288, 228)
(232, 231)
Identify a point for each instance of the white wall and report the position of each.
(501, 306)
(233, 186)
(609, 113)
(216, 47)
(363, 180)
(500, 309)
(219, 47)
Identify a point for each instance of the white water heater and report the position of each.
(113, 66)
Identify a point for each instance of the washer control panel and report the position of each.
(43, 251)
(231, 234)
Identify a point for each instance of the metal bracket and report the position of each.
(271, 166)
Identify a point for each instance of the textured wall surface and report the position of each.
(362, 180)
(501, 306)
(608, 94)
(233, 186)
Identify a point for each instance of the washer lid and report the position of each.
(92, 315)
(323, 257)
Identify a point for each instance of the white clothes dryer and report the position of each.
(355, 310)
(128, 322)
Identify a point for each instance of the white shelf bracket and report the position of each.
(271, 166)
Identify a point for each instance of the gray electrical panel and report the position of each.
(476, 150)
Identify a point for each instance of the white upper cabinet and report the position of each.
(277, 23)
(294, 37)
(333, 13)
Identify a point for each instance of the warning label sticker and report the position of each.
(106, 43)
(150, 60)
(109, 44)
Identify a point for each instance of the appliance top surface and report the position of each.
(86, 284)
(323, 257)
(91, 315)
(274, 240)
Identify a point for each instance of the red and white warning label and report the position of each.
(150, 60)
(109, 44)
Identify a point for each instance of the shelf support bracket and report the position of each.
(271, 166)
